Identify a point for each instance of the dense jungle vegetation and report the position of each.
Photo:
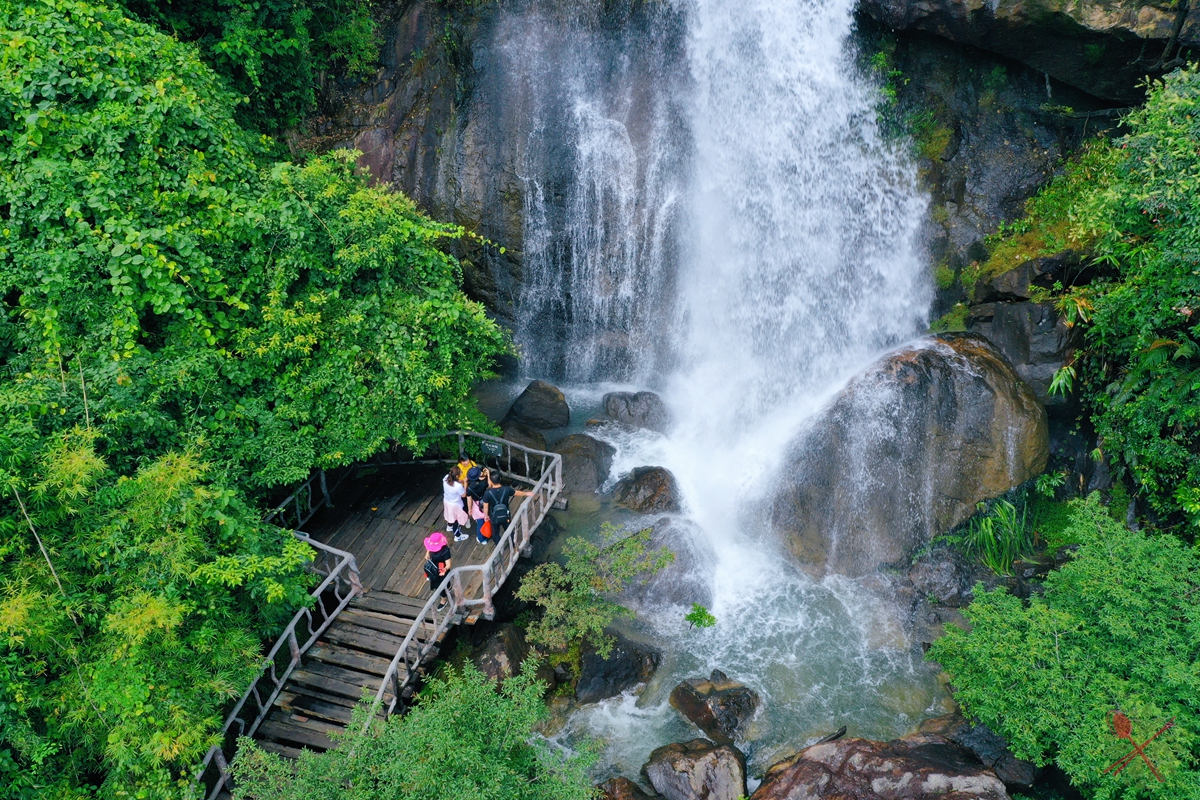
(1118, 627)
(189, 322)
(187, 325)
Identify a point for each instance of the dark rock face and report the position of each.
(648, 490)
(988, 747)
(944, 575)
(1103, 48)
(542, 405)
(621, 789)
(717, 705)
(626, 666)
(912, 768)
(638, 410)
(994, 133)
(586, 462)
(1032, 336)
(905, 452)
(502, 654)
(523, 434)
(697, 770)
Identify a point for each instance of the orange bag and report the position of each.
(486, 529)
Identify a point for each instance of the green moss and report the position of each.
(1052, 221)
(943, 276)
(954, 320)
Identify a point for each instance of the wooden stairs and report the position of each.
(345, 664)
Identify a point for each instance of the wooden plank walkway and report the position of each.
(383, 519)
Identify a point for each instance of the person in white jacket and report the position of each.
(453, 492)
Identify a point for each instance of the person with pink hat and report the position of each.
(437, 562)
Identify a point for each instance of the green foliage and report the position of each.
(131, 611)
(1145, 370)
(953, 320)
(1135, 205)
(464, 738)
(271, 52)
(287, 317)
(180, 317)
(997, 535)
(943, 275)
(1059, 217)
(699, 617)
(1048, 483)
(1114, 630)
(574, 596)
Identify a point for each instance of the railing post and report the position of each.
(526, 536)
(457, 590)
(293, 645)
(355, 581)
(325, 491)
(462, 445)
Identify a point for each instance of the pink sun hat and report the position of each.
(435, 541)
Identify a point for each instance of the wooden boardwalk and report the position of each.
(383, 519)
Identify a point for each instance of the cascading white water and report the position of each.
(795, 263)
(599, 213)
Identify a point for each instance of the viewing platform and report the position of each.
(373, 625)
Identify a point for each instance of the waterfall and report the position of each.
(606, 141)
(735, 232)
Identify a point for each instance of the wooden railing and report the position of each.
(515, 542)
(519, 464)
(340, 586)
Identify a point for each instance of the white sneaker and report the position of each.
(461, 537)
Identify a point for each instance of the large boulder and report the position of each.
(586, 462)
(905, 452)
(637, 409)
(716, 705)
(522, 434)
(648, 490)
(502, 653)
(697, 770)
(912, 768)
(627, 665)
(990, 748)
(1098, 46)
(682, 582)
(1034, 339)
(621, 788)
(542, 406)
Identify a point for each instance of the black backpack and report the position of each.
(501, 515)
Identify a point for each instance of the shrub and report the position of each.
(574, 596)
(1114, 630)
(464, 738)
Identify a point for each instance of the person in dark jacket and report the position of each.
(437, 562)
(497, 501)
(477, 486)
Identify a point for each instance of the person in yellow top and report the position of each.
(461, 470)
(463, 466)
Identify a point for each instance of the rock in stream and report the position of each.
(717, 705)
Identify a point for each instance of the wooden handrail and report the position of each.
(342, 578)
(511, 545)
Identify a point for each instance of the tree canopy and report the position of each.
(1116, 629)
(185, 327)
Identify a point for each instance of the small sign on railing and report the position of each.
(491, 448)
